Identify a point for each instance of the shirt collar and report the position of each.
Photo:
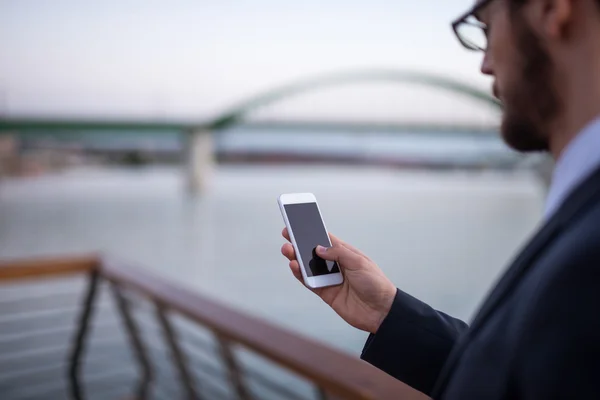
(577, 162)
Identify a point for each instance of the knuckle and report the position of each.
(336, 247)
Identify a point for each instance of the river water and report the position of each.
(442, 236)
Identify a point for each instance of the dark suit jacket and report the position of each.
(537, 336)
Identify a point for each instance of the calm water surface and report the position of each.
(443, 237)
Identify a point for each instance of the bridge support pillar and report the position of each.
(199, 160)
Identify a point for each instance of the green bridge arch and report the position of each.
(235, 114)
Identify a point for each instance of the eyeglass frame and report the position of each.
(463, 20)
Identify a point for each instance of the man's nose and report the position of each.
(486, 64)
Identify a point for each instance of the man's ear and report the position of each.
(556, 16)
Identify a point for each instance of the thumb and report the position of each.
(339, 253)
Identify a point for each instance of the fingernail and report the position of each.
(321, 249)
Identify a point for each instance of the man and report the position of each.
(537, 335)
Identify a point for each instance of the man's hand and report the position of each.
(365, 297)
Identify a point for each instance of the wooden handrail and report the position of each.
(47, 267)
(334, 371)
(337, 372)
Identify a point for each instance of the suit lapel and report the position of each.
(575, 203)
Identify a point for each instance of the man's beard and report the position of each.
(531, 104)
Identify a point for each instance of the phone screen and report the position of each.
(309, 231)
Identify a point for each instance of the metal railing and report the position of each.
(86, 328)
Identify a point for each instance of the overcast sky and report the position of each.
(195, 57)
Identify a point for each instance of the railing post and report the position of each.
(199, 163)
(136, 341)
(78, 347)
(178, 356)
(235, 374)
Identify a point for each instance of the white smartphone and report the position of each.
(307, 230)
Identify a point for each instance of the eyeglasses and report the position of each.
(470, 31)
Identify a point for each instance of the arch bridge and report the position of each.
(199, 134)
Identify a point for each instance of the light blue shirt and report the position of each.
(577, 162)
